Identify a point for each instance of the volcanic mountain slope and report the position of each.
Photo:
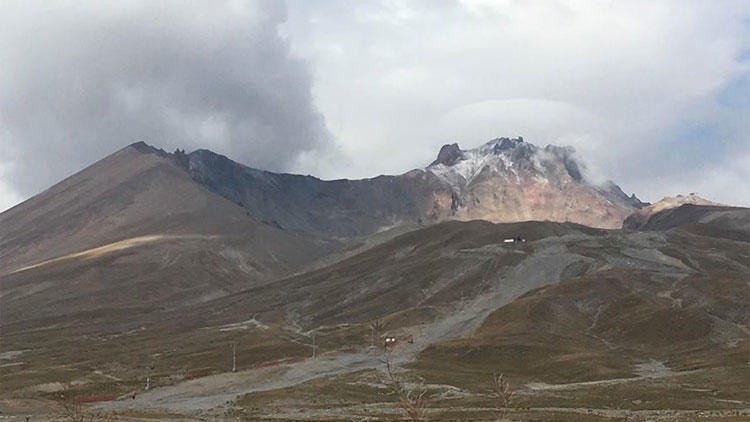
(576, 318)
(570, 304)
(715, 221)
(511, 180)
(650, 305)
(115, 311)
(431, 267)
(665, 276)
(505, 180)
(150, 263)
(640, 217)
(338, 208)
(135, 230)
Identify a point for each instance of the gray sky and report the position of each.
(652, 94)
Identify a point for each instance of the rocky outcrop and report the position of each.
(448, 155)
(338, 208)
(505, 180)
(509, 180)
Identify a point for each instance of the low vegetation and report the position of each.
(73, 407)
(412, 397)
(502, 392)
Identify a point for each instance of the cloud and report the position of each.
(650, 93)
(82, 79)
(8, 197)
(618, 80)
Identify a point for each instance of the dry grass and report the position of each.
(411, 397)
(72, 408)
(502, 392)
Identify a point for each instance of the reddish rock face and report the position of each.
(509, 180)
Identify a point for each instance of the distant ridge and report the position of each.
(640, 217)
(726, 222)
(504, 180)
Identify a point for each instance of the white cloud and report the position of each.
(8, 196)
(615, 79)
(83, 79)
(632, 85)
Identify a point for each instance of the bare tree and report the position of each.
(502, 392)
(411, 398)
(295, 333)
(75, 411)
(291, 322)
(376, 327)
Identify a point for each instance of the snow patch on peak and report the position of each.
(464, 166)
(460, 174)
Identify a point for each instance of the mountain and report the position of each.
(580, 321)
(149, 229)
(650, 316)
(338, 208)
(504, 180)
(693, 214)
(508, 180)
(135, 230)
(640, 217)
(576, 317)
(706, 220)
(155, 265)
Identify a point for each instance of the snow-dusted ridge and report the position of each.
(488, 172)
(503, 156)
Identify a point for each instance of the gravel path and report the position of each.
(542, 267)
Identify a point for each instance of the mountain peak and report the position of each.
(145, 148)
(676, 201)
(141, 146)
(501, 144)
(448, 155)
(503, 155)
(507, 179)
(639, 218)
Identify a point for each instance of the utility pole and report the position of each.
(149, 369)
(313, 339)
(234, 357)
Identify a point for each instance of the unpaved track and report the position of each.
(216, 390)
(542, 267)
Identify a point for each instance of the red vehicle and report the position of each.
(391, 342)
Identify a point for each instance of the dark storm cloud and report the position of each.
(80, 80)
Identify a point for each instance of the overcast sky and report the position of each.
(652, 94)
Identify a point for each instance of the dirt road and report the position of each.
(542, 267)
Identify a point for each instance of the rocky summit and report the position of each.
(508, 180)
(504, 180)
